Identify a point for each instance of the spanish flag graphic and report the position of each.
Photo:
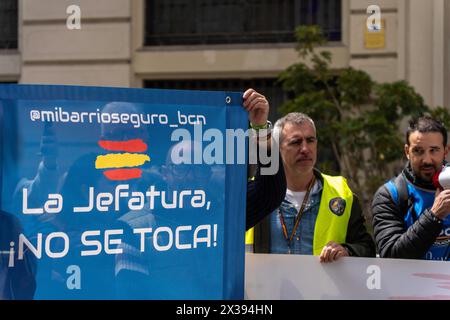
(122, 166)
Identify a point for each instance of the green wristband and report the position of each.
(259, 126)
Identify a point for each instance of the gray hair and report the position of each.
(294, 118)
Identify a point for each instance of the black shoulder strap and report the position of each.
(404, 201)
(402, 190)
(261, 236)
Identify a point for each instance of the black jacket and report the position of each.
(392, 238)
(264, 194)
(358, 240)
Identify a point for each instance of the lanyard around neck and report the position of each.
(298, 217)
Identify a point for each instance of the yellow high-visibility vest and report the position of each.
(249, 236)
(334, 213)
(333, 216)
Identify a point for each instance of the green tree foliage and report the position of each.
(357, 118)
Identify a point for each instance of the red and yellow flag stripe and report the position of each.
(121, 166)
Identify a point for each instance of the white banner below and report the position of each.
(297, 277)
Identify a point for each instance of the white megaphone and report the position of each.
(441, 179)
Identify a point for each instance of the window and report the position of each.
(267, 87)
(8, 24)
(185, 22)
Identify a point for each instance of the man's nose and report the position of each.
(304, 147)
(427, 159)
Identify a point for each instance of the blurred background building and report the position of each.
(219, 44)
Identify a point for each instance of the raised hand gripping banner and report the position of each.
(111, 193)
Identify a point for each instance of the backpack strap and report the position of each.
(398, 189)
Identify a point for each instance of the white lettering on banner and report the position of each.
(178, 245)
(54, 204)
(109, 241)
(191, 119)
(37, 248)
(136, 119)
(23, 241)
(11, 254)
(166, 247)
(48, 240)
(105, 201)
(207, 237)
(142, 232)
(94, 243)
(222, 147)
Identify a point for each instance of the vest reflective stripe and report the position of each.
(330, 226)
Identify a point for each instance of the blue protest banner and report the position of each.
(113, 193)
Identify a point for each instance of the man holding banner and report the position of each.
(320, 214)
(410, 217)
(265, 192)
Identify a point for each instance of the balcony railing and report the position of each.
(185, 22)
(8, 24)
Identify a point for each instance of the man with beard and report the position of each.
(410, 217)
(319, 215)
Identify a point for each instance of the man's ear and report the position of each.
(406, 148)
(446, 149)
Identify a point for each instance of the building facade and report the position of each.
(219, 44)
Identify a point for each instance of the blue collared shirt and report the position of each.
(302, 243)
